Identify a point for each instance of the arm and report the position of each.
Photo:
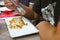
(30, 14)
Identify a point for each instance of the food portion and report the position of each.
(16, 23)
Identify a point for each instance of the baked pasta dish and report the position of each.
(16, 23)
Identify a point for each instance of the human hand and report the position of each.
(16, 1)
(48, 31)
(9, 5)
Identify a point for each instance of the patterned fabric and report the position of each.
(45, 9)
(48, 13)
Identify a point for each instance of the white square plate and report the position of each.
(25, 30)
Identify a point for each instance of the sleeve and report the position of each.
(37, 7)
(57, 13)
(33, 1)
(39, 4)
